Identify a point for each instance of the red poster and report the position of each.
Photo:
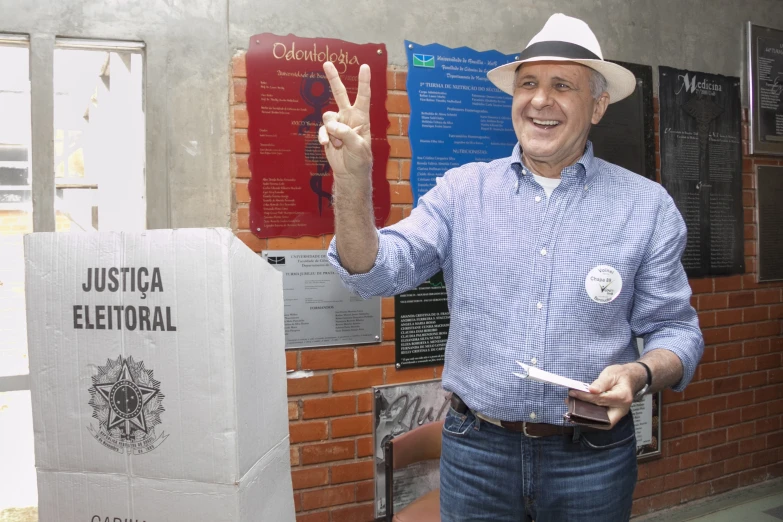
(287, 94)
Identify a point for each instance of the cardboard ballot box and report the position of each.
(158, 378)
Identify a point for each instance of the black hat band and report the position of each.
(559, 49)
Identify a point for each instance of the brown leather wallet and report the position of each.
(583, 413)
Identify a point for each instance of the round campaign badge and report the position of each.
(603, 284)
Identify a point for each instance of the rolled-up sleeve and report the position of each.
(410, 251)
(662, 312)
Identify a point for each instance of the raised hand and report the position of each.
(345, 135)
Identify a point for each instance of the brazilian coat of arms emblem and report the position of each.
(127, 403)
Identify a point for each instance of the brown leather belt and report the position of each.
(529, 429)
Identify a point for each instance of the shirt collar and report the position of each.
(584, 165)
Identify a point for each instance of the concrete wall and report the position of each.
(702, 35)
(189, 45)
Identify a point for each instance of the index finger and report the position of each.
(363, 94)
(336, 84)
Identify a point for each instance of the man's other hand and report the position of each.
(615, 389)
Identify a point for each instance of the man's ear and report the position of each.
(599, 109)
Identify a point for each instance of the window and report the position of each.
(96, 182)
(18, 493)
(98, 136)
(15, 192)
(15, 200)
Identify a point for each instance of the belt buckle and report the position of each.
(526, 434)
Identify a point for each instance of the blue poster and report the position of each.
(457, 115)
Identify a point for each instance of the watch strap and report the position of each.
(649, 373)
(640, 394)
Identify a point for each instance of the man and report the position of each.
(551, 257)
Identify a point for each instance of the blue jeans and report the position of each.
(493, 474)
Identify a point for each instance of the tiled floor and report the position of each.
(19, 515)
(760, 503)
(766, 509)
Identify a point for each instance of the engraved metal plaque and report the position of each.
(421, 318)
(701, 166)
(765, 89)
(769, 194)
(319, 310)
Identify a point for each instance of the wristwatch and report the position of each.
(640, 394)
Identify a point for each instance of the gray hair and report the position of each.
(597, 84)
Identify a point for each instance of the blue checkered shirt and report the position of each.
(515, 264)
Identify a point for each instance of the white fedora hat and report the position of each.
(567, 39)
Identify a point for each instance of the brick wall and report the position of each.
(723, 432)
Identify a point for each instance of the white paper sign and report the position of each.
(642, 420)
(536, 374)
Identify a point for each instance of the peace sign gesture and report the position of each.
(345, 135)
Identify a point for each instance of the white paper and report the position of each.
(536, 374)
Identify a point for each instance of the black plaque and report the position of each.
(625, 135)
(770, 197)
(701, 166)
(421, 318)
(765, 89)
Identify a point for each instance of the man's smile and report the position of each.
(545, 123)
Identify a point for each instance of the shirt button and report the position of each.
(539, 305)
(538, 198)
(533, 415)
(533, 361)
(543, 251)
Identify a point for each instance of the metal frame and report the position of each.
(755, 144)
(98, 45)
(15, 39)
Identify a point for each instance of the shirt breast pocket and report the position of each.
(594, 283)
